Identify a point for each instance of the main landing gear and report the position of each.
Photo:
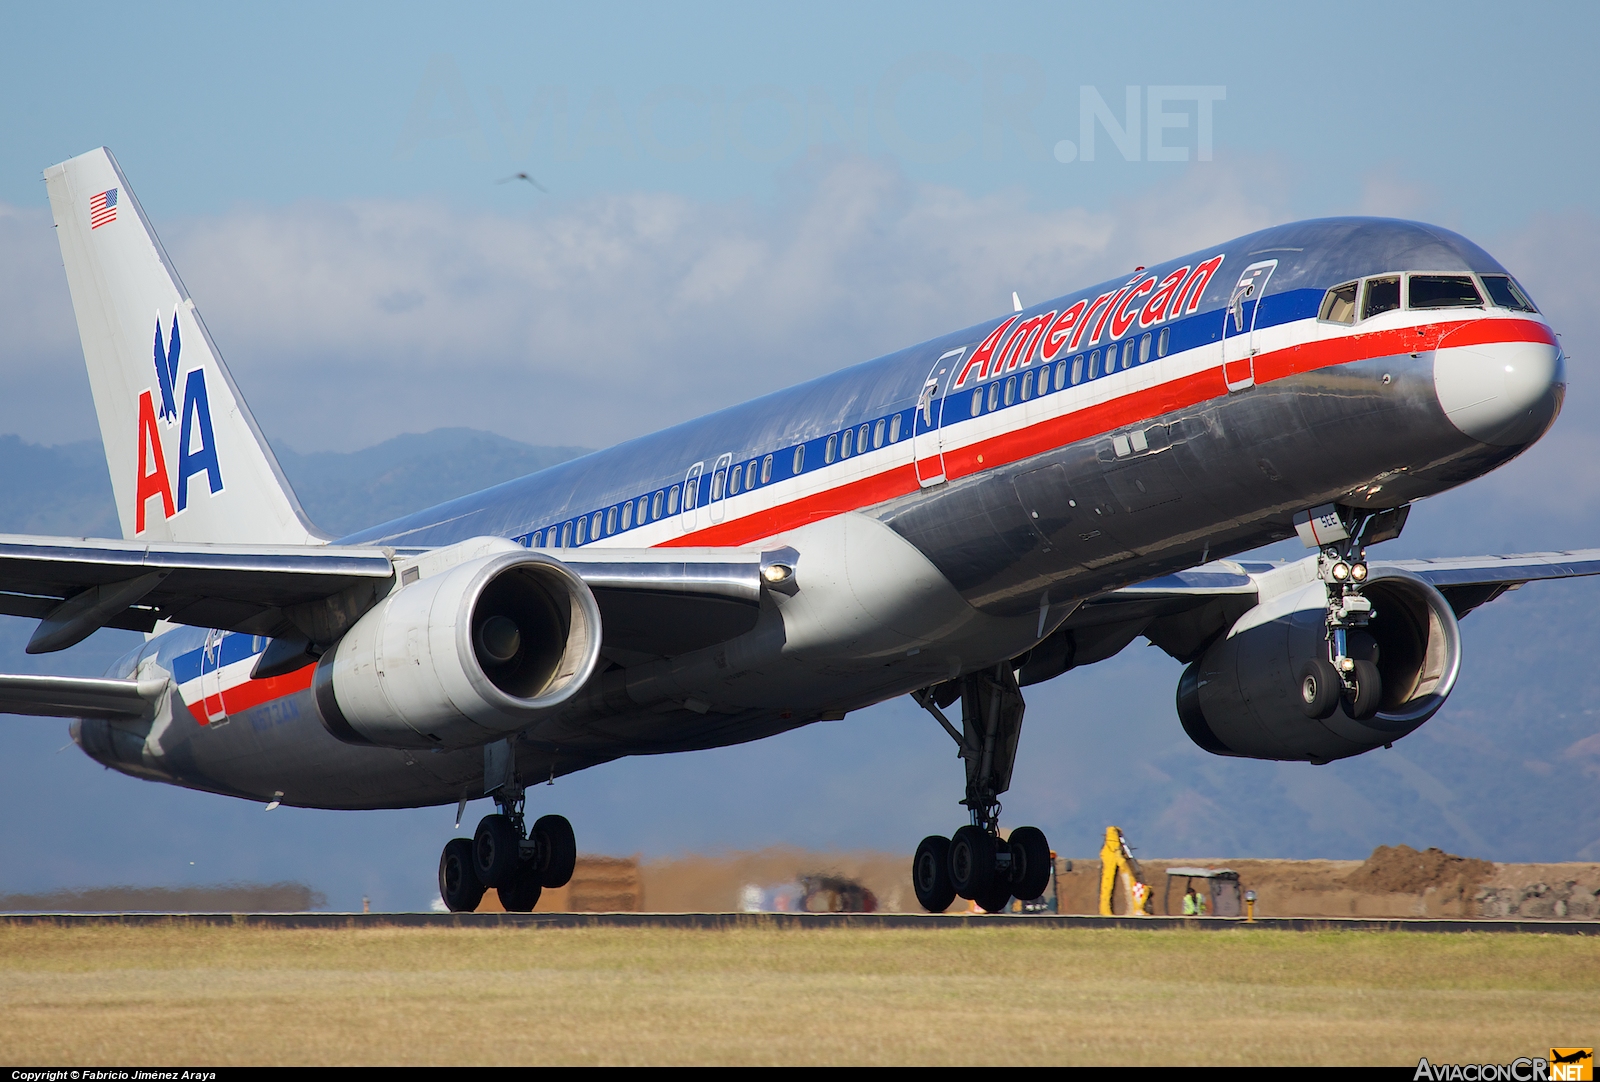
(518, 863)
(977, 863)
(1349, 674)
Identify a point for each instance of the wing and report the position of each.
(653, 602)
(1185, 613)
(80, 697)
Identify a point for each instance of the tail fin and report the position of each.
(187, 460)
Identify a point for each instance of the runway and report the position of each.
(796, 921)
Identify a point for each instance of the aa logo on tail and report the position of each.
(197, 444)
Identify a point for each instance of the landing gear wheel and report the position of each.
(496, 850)
(1030, 863)
(521, 894)
(459, 884)
(996, 898)
(557, 850)
(930, 874)
(1319, 688)
(972, 853)
(1363, 702)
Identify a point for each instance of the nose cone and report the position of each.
(1501, 393)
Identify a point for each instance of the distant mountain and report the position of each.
(346, 492)
(65, 490)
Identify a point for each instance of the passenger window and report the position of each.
(1339, 305)
(829, 450)
(977, 401)
(655, 505)
(734, 478)
(877, 434)
(717, 481)
(611, 521)
(594, 527)
(750, 475)
(799, 459)
(1027, 386)
(1383, 295)
(994, 396)
(1443, 291)
(627, 515)
(861, 438)
(1077, 370)
(566, 536)
(583, 531)
(1144, 349)
(1163, 341)
(1011, 390)
(766, 469)
(894, 429)
(691, 493)
(1127, 353)
(847, 446)
(672, 501)
(1061, 374)
(1506, 293)
(1094, 365)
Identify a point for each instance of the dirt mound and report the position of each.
(1400, 869)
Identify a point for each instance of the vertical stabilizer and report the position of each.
(187, 460)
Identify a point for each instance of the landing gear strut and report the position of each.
(1350, 671)
(518, 863)
(977, 863)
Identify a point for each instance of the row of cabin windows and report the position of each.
(745, 476)
(1085, 366)
(841, 445)
(1381, 294)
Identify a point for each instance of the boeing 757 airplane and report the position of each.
(955, 521)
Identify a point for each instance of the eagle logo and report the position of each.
(167, 370)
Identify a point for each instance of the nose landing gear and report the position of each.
(1350, 671)
(977, 864)
(519, 864)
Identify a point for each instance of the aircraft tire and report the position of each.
(557, 849)
(496, 850)
(930, 874)
(972, 853)
(459, 884)
(1320, 688)
(1030, 863)
(1369, 691)
(996, 899)
(521, 894)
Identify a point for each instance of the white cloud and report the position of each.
(591, 321)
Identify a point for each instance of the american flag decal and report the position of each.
(103, 208)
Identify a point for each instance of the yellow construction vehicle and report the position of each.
(1117, 859)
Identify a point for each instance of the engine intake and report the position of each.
(462, 657)
(1241, 696)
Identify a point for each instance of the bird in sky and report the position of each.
(526, 177)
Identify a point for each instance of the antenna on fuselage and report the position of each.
(1016, 302)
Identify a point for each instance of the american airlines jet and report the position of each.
(954, 521)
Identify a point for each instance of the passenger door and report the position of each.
(1239, 323)
(719, 487)
(211, 678)
(926, 442)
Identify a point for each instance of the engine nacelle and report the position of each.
(1242, 696)
(463, 656)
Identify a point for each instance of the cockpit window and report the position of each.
(1443, 291)
(1505, 293)
(1383, 295)
(1339, 306)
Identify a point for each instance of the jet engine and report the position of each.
(464, 656)
(1242, 696)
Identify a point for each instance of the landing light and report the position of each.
(776, 573)
(1341, 571)
(1359, 572)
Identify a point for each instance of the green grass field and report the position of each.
(194, 996)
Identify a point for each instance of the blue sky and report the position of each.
(740, 198)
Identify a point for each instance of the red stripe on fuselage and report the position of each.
(242, 697)
(1096, 420)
